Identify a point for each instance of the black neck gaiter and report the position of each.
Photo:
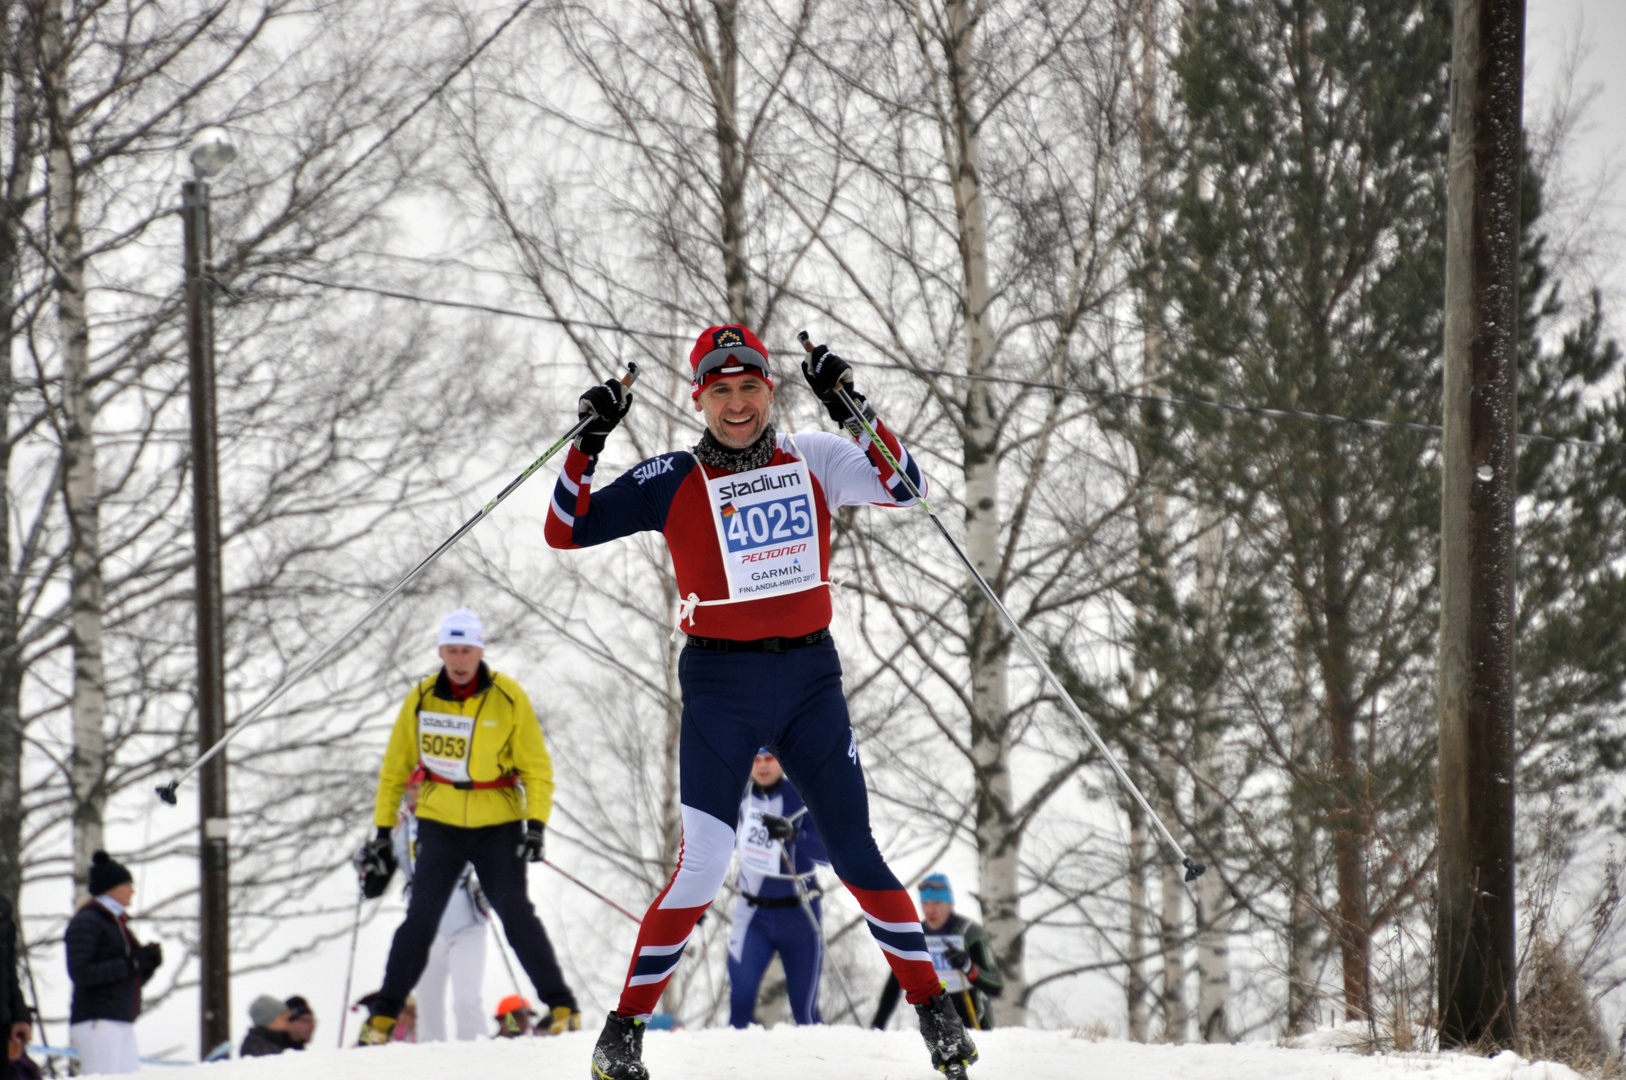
(712, 452)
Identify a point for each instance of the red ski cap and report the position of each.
(721, 352)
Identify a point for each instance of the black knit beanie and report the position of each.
(105, 874)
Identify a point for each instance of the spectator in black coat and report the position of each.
(108, 967)
(271, 1032)
(15, 1019)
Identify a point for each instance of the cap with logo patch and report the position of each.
(462, 627)
(721, 352)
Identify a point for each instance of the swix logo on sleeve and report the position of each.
(651, 469)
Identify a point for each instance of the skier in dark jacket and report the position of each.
(960, 952)
(108, 967)
(15, 1018)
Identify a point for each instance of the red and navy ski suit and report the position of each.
(734, 702)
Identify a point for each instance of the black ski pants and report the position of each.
(443, 851)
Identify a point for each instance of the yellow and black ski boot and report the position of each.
(564, 1018)
(376, 1031)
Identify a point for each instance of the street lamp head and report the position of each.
(212, 151)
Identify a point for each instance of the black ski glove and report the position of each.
(825, 372)
(606, 403)
(147, 959)
(781, 829)
(958, 959)
(530, 847)
(376, 860)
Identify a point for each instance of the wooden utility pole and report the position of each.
(214, 990)
(1475, 938)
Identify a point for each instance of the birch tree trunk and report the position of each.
(19, 159)
(1208, 808)
(998, 835)
(731, 161)
(88, 761)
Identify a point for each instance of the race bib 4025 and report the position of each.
(768, 531)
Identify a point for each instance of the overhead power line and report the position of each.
(1005, 380)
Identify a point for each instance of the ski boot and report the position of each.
(944, 1032)
(564, 1018)
(620, 1050)
(376, 1031)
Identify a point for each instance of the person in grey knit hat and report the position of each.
(271, 1031)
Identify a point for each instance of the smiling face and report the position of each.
(736, 409)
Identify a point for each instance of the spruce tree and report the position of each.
(1301, 270)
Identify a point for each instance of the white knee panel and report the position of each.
(708, 845)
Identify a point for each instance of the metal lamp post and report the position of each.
(211, 152)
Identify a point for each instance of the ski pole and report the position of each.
(34, 993)
(350, 966)
(167, 792)
(806, 902)
(503, 952)
(578, 881)
(1194, 869)
(971, 1010)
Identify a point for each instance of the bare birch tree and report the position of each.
(982, 258)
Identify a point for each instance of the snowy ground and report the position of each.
(845, 1053)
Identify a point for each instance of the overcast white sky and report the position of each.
(1594, 30)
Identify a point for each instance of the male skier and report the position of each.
(746, 517)
(488, 789)
(778, 906)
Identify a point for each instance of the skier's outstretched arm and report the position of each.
(857, 473)
(638, 499)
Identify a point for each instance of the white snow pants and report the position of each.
(105, 1046)
(462, 956)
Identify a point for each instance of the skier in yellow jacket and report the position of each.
(487, 793)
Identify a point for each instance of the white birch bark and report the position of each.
(998, 833)
(88, 759)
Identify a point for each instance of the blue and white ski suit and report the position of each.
(768, 916)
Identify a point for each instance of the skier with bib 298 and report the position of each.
(487, 790)
(778, 907)
(746, 517)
